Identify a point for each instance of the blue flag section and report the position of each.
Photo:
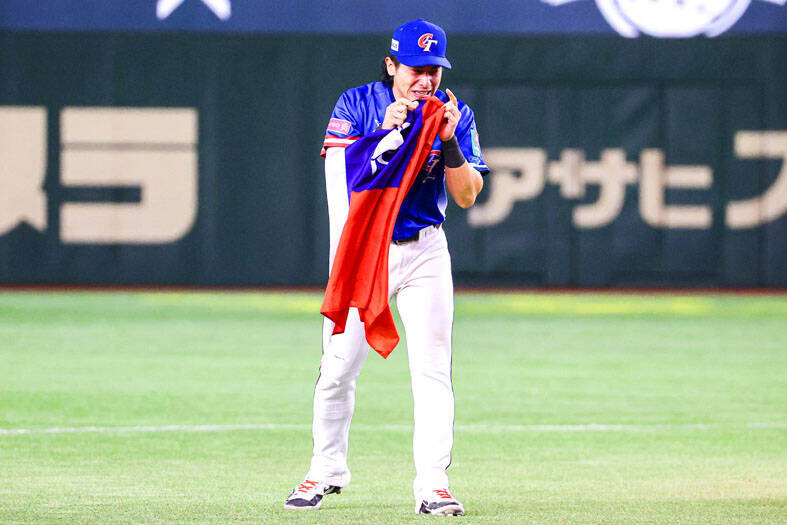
(369, 160)
(653, 17)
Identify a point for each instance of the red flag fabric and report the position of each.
(359, 276)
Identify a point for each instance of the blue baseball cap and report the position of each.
(420, 43)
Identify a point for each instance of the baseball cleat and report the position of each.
(308, 495)
(440, 502)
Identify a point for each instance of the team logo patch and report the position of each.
(425, 41)
(394, 45)
(431, 161)
(340, 126)
(475, 142)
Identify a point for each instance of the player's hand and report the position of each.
(450, 119)
(396, 113)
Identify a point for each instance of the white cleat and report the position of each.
(308, 495)
(439, 502)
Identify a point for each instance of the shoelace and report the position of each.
(306, 486)
(443, 494)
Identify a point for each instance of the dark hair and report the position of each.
(384, 76)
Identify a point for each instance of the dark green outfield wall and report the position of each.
(615, 162)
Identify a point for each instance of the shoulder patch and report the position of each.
(340, 126)
(475, 142)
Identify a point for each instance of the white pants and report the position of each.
(420, 278)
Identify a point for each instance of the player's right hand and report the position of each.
(396, 113)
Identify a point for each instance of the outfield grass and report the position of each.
(570, 409)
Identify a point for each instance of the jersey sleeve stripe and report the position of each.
(480, 167)
(336, 142)
(340, 140)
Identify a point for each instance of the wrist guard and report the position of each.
(452, 154)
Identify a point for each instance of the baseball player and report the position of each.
(419, 270)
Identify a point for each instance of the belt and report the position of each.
(414, 237)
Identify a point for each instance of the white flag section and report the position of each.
(220, 8)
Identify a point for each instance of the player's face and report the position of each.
(415, 82)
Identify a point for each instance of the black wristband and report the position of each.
(452, 154)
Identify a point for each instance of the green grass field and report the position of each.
(571, 408)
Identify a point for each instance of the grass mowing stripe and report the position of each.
(593, 427)
(300, 303)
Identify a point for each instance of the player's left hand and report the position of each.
(450, 119)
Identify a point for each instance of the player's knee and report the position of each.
(440, 339)
(334, 390)
(337, 379)
(434, 367)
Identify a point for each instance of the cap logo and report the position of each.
(394, 44)
(425, 41)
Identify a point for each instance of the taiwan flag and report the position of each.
(381, 168)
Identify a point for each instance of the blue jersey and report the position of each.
(360, 111)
